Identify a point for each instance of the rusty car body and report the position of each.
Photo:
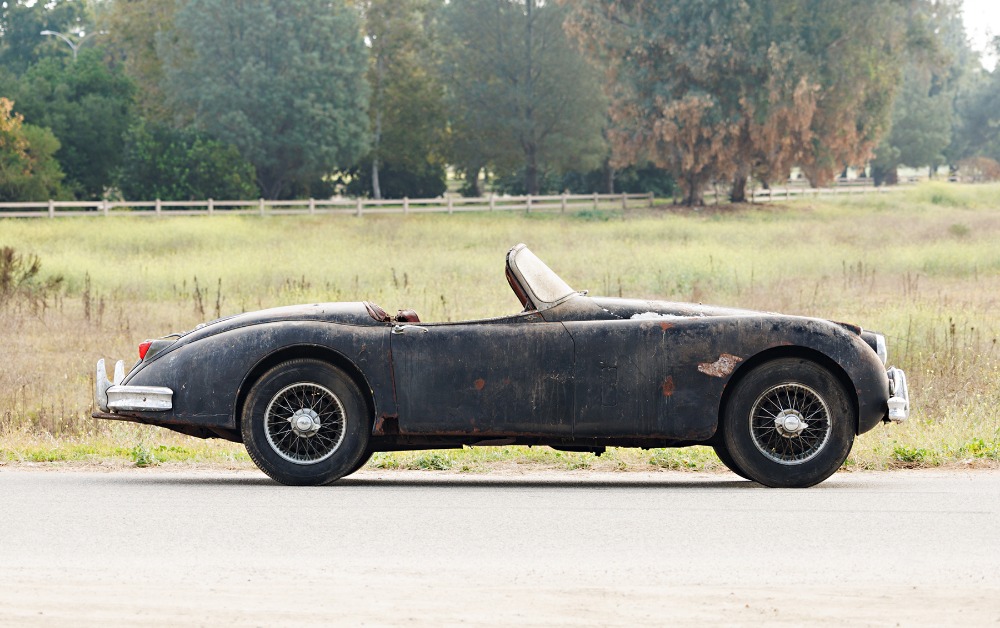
(313, 391)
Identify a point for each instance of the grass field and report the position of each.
(922, 266)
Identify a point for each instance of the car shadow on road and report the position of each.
(458, 482)
(541, 483)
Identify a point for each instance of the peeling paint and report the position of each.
(722, 367)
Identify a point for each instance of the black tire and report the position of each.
(789, 424)
(305, 423)
(362, 461)
(727, 459)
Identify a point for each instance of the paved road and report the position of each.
(156, 547)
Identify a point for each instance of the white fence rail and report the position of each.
(717, 195)
(357, 207)
(361, 206)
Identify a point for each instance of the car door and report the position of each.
(633, 378)
(509, 376)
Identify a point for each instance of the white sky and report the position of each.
(982, 21)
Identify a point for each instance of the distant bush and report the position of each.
(425, 180)
(979, 169)
(28, 168)
(20, 279)
(173, 165)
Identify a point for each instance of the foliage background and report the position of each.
(393, 98)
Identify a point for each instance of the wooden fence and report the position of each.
(356, 207)
(714, 196)
(361, 206)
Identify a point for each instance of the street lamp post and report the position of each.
(74, 46)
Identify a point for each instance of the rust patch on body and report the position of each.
(664, 325)
(722, 367)
(668, 386)
(480, 383)
(386, 424)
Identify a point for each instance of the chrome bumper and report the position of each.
(111, 396)
(899, 400)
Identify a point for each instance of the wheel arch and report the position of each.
(790, 351)
(308, 351)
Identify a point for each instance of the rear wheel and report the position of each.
(788, 423)
(305, 423)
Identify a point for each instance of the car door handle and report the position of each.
(402, 329)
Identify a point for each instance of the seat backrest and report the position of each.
(407, 316)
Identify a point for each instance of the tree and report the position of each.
(408, 121)
(134, 28)
(921, 126)
(522, 98)
(859, 52)
(21, 24)
(977, 132)
(281, 81)
(88, 107)
(721, 89)
(28, 170)
(170, 164)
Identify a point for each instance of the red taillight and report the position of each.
(143, 348)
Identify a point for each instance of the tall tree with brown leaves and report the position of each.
(724, 89)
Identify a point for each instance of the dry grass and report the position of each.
(921, 266)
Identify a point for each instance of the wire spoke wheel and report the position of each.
(790, 423)
(304, 423)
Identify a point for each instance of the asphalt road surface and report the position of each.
(159, 547)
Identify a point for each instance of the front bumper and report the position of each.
(112, 396)
(899, 399)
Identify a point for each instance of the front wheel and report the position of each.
(789, 423)
(305, 423)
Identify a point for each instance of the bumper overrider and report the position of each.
(112, 397)
(899, 396)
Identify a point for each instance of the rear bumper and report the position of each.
(111, 396)
(899, 399)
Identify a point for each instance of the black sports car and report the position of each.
(313, 391)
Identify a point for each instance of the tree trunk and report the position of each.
(884, 176)
(473, 185)
(694, 190)
(377, 135)
(609, 177)
(738, 193)
(528, 142)
(376, 189)
(531, 171)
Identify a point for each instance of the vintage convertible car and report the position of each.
(313, 391)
